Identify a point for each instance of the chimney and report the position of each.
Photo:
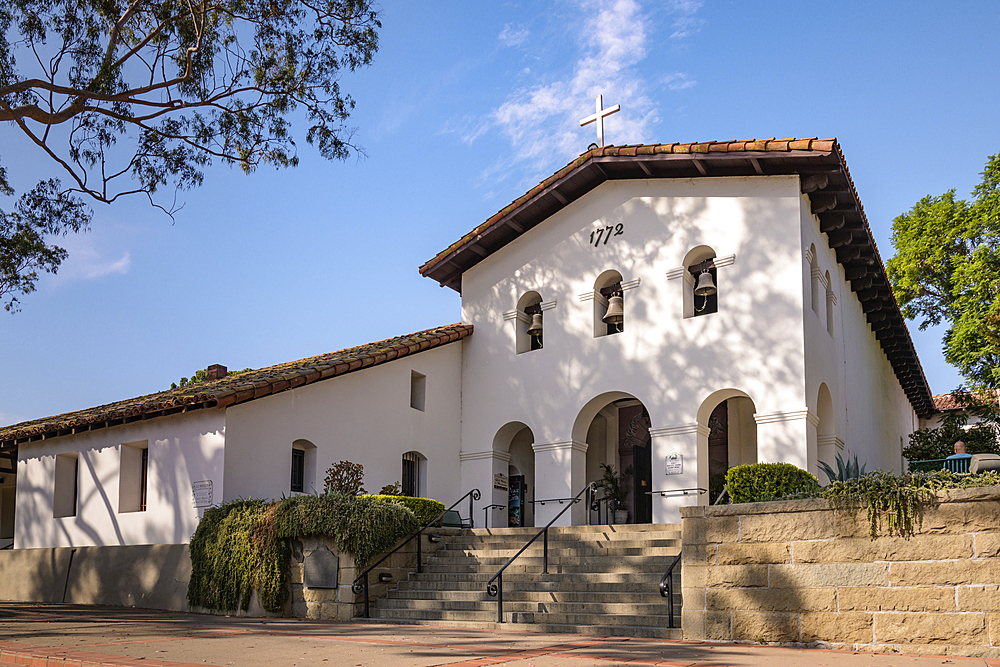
(216, 372)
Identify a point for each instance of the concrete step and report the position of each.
(609, 549)
(600, 630)
(550, 609)
(552, 580)
(530, 595)
(556, 566)
(636, 586)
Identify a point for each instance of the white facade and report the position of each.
(782, 365)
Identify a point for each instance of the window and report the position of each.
(814, 279)
(700, 280)
(298, 470)
(303, 467)
(65, 492)
(414, 478)
(133, 473)
(831, 301)
(418, 390)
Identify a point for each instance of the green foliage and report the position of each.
(615, 484)
(345, 477)
(201, 375)
(242, 546)
(759, 482)
(845, 470)
(939, 443)
(131, 97)
(424, 509)
(393, 489)
(947, 269)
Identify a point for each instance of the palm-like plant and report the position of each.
(845, 470)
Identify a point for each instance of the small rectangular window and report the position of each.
(411, 474)
(418, 390)
(298, 470)
(133, 473)
(65, 492)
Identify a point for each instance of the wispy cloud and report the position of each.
(685, 20)
(87, 261)
(542, 121)
(510, 36)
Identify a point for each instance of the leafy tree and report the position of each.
(939, 443)
(131, 96)
(947, 270)
(345, 477)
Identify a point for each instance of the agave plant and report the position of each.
(845, 470)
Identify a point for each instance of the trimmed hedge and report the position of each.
(759, 482)
(425, 509)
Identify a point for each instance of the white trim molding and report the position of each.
(678, 429)
(786, 416)
(681, 271)
(479, 456)
(547, 305)
(825, 440)
(626, 285)
(560, 446)
(516, 315)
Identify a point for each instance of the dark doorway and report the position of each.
(718, 449)
(515, 501)
(634, 452)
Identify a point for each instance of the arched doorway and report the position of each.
(729, 440)
(516, 439)
(615, 427)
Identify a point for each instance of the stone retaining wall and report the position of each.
(797, 572)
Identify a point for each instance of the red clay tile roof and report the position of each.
(234, 389)
(823, 177)
(955, 401)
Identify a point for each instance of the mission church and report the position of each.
(673, 309)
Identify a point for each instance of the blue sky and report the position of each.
(467, 105)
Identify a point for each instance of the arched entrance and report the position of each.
(615, 427)
(516, 439)
(729, 440)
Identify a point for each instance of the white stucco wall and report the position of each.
(183, 448)
(871, 413)
(752, 346)
(363, 417)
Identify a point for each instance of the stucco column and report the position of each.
(686, 445)
(560, 472)
(479, 469)
(787, 437)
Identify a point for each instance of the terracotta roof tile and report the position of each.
(234, 389)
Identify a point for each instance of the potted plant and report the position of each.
(615, 486)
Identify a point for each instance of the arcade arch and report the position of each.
(516, 439)
(727, 437)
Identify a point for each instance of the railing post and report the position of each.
(670, 600)
(367, 612)
(500, 598)
(420, 561)
(545, 550)
(472, 519)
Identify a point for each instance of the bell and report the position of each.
(705, 286)
(535, 328)
(616, 313)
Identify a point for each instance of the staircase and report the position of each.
(602, 580)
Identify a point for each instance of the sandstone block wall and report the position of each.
(798, 572)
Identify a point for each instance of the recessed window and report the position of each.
(303, 467)
(65, 492)
(414, 474)
(814, 280)
(701, 282)
(133, 475)
(418, 390)
(831, 301)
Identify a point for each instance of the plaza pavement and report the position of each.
(45, 635)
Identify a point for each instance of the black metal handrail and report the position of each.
(496, 590)
(360, 584)
(679, 492)
(667, 588)
(551, 500)
(486, 511)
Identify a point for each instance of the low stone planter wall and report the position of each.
(797, 572)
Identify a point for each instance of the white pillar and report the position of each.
(686, 445)
(560, 472)
(787, 437)
(479, 470)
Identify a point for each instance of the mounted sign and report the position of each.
(202, 492)
(674, 463)
(500, 481)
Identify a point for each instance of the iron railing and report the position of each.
(667, 589)
(956, 464)
(361, 582)
(495, 590)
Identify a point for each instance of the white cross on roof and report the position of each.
(599, 118)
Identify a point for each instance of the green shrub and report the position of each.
(425, 509)
(939, 443)
(243, 546)
(759, 482)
